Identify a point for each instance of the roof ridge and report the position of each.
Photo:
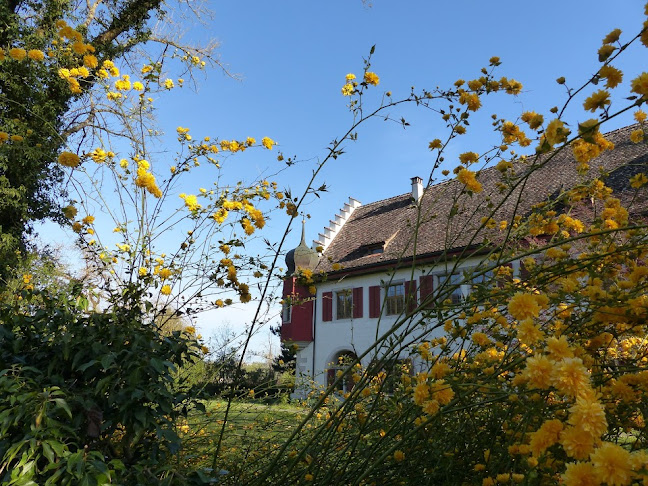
(386, 199)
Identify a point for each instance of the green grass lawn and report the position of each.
(253, 431)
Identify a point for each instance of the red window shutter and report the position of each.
(357, 303)
(410, 295)
(426, 283)
(288, 286)
(327, 306)
(374, 301)
(524, 272)
(330, 376)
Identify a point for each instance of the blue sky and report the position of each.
(292, 57)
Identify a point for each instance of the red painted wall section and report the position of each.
(300, 327)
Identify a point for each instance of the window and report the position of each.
(344, 304)
(395, 299)
(372, 249)
(286, 312)
(485, 279)
(451, 287)
(340, 368)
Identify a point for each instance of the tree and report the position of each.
(43, 109)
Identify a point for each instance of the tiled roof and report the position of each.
(391, 222)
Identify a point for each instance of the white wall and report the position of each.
(358, 335)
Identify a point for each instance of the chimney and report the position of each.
(417, 188)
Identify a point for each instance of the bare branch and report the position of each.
(92, 10)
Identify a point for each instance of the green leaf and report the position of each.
(60, 403)
(48, 452)
(107, 361)
(58, 447)
(87, 365)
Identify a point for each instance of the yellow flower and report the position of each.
(17, 53)
(168, 83)
(598, 100)
(612, 36)
(640, 84)
(247, 226)
(467, 178)
(69, 159)
(511, 86)
(268, 143)
(165, 290)
(589, 415)
(556, 132)
(90, 61)
(74, 86)
(481, 339)
(570, 377)
(371, 78)
(613, 76)
(16, 138)
(350, 77)
(522, 306)
(435, 144)
(468, 158)
(580, 474)
(640, 116)
(538, 371)
(577, 442)
(638, 180)
(399, 456)
(558, 348)
(143, 271)
(191, 202)
(36, 55)
(528, 333)
(612, 464)
(471, 100)
(79, 48)
(442, 392)
(605, 51)
(533, 119)
(347, 89)
(637, 136)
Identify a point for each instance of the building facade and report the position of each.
(376, 263)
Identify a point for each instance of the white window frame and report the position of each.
(348, 293)
(400, 308)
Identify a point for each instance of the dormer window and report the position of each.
(373, 248)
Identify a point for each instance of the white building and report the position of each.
(377, 269)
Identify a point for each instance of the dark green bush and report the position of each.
(87, 397)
